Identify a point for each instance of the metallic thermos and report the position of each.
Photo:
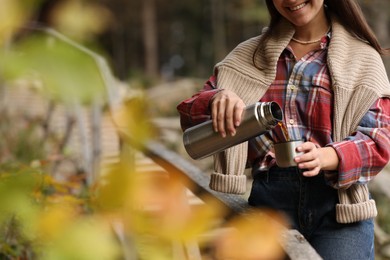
(201, 141)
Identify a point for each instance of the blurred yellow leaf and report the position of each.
(132, 119)
(13, 14)
(83, 239)
(159, 213)
(257, 235)
(80, 20)
(54, 221)
(112, 190)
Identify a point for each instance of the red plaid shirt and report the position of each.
(303, 89)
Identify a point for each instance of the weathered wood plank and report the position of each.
(297, 247)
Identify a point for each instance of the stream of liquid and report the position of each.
(284, 131)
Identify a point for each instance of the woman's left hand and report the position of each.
(314, 159)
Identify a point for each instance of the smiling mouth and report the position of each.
(296, 8)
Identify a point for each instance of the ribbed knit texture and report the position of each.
(355, 204)
(230, 181)
(357, 84)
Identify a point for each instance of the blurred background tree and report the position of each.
(160, 39)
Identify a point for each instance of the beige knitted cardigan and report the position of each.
(358, 77)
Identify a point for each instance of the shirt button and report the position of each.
(292, 87)
(291, 121)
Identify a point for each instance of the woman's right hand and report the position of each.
(226, 112)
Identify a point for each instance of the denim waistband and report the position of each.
(276, 173)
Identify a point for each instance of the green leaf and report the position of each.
(63, 69)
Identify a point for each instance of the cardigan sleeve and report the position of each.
(229, 165)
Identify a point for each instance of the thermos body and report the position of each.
(201, 141)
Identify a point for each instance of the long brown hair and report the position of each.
(348, 13)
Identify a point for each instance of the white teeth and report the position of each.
(297, 7)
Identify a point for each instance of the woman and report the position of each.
(320, 61)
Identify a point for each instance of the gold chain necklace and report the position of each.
(309, 42)
(305, 42)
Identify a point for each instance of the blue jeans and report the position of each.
(309, 203)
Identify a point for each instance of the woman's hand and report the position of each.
(226, 112)
(314, 159)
